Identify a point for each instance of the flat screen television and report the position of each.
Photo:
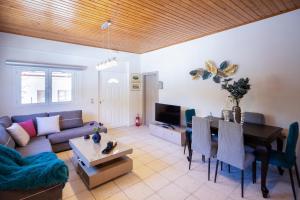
(168, 114)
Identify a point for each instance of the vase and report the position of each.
(96, 137)
(236, 114)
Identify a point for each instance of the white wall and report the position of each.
(268, 52)
(15, 47)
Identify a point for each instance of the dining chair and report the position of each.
(231, 149)
(189, 113)
(202, 142)
(287, 159)
(254, 118)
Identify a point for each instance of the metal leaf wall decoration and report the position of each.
(225, 70)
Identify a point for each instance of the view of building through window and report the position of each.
(61, 86)
(33, 87)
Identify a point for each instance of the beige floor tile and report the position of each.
(143, 172)
(118, 196)
(173, 192)
(156, 181)
(162, 178)
(127, 180)
(170, 159)
(137, 152)
(73, 187)
(138, 191)
(104, 191)
(171, 173)
(146, 158)
(154, 197)
(158, 153)
(73, 175)
(192, 197)
(137, 163)
(157, 165)
(207, 193)
(188, 184)
(86, 195)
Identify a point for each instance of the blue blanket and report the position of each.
(32, 172)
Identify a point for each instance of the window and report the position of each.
(33, 87)
(61, 86)
(46, 86)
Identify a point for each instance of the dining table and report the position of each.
(258, 136)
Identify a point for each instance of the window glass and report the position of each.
(33, 87)
(61, 86)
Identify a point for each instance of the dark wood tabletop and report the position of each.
(264, 133)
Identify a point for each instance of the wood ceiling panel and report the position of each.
(139, 26)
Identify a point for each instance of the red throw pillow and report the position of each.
(28, 126)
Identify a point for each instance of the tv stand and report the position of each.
(167, 126)
(168, 132)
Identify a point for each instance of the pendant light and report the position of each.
(110, 62)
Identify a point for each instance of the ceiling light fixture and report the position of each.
(110, 62)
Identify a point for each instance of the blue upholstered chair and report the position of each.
(188, 120)
(287, 159)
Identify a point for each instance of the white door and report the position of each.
(114, 93)
(150, 97)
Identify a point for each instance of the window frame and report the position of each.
(48, 86)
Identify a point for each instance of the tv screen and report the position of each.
(168, 114)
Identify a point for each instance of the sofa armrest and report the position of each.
(49, 193)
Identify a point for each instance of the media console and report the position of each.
(172, 134)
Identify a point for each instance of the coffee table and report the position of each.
(96, 168)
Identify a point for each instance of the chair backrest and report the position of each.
(189, 115)
(201, 136)
(231, 148)
(254, 118)
(290, 151)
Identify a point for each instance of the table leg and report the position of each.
(279, 142)
(264, 171)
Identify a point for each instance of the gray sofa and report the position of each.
(71, 125)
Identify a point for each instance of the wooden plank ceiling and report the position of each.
(139, 26)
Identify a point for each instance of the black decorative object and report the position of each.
(237, 91)
(86, 137)
(96, 137)
(110, 146)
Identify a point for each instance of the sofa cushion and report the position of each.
(5, 138)
(65, 135)
(28, 126)
(5, 121)
(22, 118)
(36, 145)
(69, 119)
(47, 125)
(20, 136)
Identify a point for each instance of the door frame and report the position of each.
(156, 73)
(126, 64)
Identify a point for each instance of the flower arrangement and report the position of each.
(237, 89)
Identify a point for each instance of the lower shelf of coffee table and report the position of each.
(94, 176)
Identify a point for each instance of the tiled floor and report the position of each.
(160, 171)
